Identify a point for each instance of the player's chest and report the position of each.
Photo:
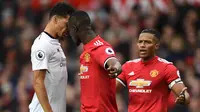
(145, 78)
(58, 56)
(86, 62)
(86, 58)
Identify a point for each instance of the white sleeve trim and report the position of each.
(44, 68)
(121, 82)
(174, 82)
(107, 61)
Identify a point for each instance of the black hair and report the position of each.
(61, 9)
(80, 19)
(154, 32)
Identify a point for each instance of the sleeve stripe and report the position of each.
(118, 79)
(174, 82)
(107, 61)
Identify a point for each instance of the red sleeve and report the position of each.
(102, 54)
(122, 77)
(172, 75)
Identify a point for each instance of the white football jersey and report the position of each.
(46, 53)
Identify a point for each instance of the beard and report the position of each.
(75, 40)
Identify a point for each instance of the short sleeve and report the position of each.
(102, 54)
(172, 75)
(39, 58)
(122, 77)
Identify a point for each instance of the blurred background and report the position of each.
(117, 21)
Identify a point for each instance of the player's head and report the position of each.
(59, 15)
(79, 24)
(148, 42)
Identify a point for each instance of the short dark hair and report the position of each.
(61, 9)
(154, 32)
(80, 19)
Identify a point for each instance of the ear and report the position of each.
(74, 28)
(55, 19)
(157, 46)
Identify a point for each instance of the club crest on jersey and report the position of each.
(87, 57)
(109, 51)
(140, 83)
(154, 73)
(40, 55)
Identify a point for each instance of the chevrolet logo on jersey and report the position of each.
(140, 83)
(83, 69)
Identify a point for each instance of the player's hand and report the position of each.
(183, 98)
(115, 70)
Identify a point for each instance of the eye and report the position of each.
(139, 41)
(149, 42)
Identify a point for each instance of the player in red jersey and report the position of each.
(150, 78)
(98, 69)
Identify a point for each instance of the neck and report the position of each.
(49, 29)
(87, 35)
(148, 58)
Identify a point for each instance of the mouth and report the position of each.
(142, 51)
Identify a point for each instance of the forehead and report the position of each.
(146, 36)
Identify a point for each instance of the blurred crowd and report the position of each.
(117, 21)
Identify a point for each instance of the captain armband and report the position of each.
(175, 82)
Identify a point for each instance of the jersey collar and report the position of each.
(91, 43)
(150, 61)
(50, 38)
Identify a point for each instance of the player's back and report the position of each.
(148, 84)
(97, 89)
(46, 53)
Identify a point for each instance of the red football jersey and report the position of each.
(149, 84)
(97, 89)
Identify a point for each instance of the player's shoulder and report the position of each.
(129, 65)
(41, 43)
(166, 64)
(134, 61)
(101, 45)
(103, 49)
(164, 61)
(99, 41)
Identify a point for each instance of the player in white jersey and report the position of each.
(49, 63)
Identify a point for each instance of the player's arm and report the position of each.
(39, 58)
(180, 90)
(105, 56)
(39, 87)
(119, 85)
(176, 85)
(121, 79)
(113, 66)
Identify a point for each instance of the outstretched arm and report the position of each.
(114, 67)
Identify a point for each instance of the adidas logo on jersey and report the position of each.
(98, 43)
(131, 73)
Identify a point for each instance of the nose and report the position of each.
(142, 45)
